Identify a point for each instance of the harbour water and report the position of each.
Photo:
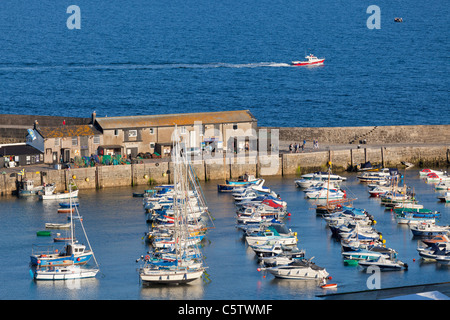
(115, 223)
(154, 57)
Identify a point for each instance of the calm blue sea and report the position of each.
(151, 57)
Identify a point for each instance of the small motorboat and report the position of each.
(300, 270)
(384, 264)
(312, 60)
(436, 239)
(434, 251)
(429, 230)
(398, 19)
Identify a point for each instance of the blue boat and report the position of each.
(67, 204)
(73, 253)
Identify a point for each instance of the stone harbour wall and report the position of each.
(148, 174)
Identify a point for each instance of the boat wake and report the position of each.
(136, 66)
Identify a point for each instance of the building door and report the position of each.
(65, 155)
(132, 152)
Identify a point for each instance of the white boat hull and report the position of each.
(65, 273)
(63, 195)
(151, 276)
(298, 273)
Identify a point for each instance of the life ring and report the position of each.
(147, 257)
(78, 259)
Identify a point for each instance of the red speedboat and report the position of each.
(312, 60)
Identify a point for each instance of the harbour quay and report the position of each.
(101, 152)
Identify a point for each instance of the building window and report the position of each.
(235, 126)
(182, 130)
(57, 142)
(152, 145)
(96, 139)
(74, 141)
(116, 132)
(152, 130)
(132, 133)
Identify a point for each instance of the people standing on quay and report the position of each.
(290, 148)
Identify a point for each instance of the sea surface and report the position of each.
(153, 57)
(115, 223)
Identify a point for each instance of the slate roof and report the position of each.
(18, 150)
(181, 119)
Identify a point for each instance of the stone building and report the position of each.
(65, 142)
(230, 131)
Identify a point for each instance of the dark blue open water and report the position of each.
(151, 57)
(115, 223)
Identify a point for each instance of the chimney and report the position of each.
(36, 123)
(93, 117)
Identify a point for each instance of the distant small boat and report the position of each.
(329, 286)
(51, 225)
(398, 19)
(312, 60)
(66, 210)
(43, 233)
(67, 204)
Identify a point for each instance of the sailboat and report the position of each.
(66, 265)
(181, 267)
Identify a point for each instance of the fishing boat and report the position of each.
(50, 195)
(311, 60)
(181, 268)
(384, 264)
(302, 269)
(27, 188)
